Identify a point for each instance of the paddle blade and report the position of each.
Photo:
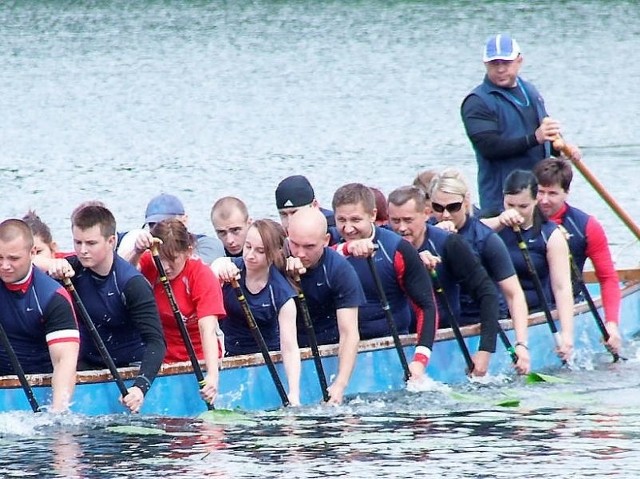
(137, 430)
(226, 416)
(533, 378)
(511, 402)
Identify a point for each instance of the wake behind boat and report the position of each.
(245, 382)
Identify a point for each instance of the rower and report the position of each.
(452, 209)
(587, 238)
(37, 315)
(118, 299)
(230, 219)
(547, 248)
(455, 263)
(293, 193)
(404, 278)
(332, 291)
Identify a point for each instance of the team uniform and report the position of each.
(330, 285)
(495, 258)
(406, 284)
(124, 311)
(265, 306)
(501, 123)
(536, 239)
(460, 266)
(35, 314)
(588, 240)
(197, 293)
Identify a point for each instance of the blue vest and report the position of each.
(512, 123)
(434, 242)
(371, 317)
(537, 246)
(22, 320)
(575, 222)
(106, 304)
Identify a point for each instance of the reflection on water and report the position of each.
(587, 427)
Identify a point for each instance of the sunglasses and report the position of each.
(451, 207)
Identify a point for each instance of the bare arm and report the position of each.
(560, 275)
(347, 351)
(519, 312)
(289, 349)
(208, 325)
(64, 357)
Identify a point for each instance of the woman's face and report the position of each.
(449, 207)
(173, 268)
(43, 249)
(523, 203)
(253, 251)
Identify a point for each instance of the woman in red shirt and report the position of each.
(197, 292)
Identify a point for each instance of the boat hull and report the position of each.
(245, 382)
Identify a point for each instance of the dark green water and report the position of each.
(121, 100)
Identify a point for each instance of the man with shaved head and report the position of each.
(332, 289)
(230, 218)
(37, 315)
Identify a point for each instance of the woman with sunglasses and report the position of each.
(451, 206)
(547, 248)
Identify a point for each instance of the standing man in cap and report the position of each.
(506, 121)
(162, 207)
(293, 193)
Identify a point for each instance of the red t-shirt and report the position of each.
(198, 294)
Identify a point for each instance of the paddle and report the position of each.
(561, 146)
(577, 275)
(538, 286)
(197, 370)
(455, 326)
(257, 335)
(95, 336)
(313, 342)
(17, 368)
(390, 322)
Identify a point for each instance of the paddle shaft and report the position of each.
(561, 146)
(257, 335)
(17, 368)
(577, 274)
(195, 364)
(95, 336)
(313, 342)
(538, 286)
(390, 321)
(455, 326)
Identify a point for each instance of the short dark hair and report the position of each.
(13, 228)
(401, 195)
(352, 194)
(90, 215)
(554, 171)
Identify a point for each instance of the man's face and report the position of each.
(232, 231)
(286, 213)
(15, 260)
(94, 250)
(551, 199)
(307, 245)
(408, 222)
(354, 222)
(504, 73)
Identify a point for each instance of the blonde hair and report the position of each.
(449, 181)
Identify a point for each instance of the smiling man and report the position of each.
(506, 121)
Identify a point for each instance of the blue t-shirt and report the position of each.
(332, 284)
(265, 306)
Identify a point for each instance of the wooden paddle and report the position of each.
(257, 335)
(17, 368)
(313, 342)
(455, 326)
(188, 344)
(538, 286)
(95, 336)
(565, 149)
(390, 321)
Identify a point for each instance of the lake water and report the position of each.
(119, 101)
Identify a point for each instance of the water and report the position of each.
(121, 100)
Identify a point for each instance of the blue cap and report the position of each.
(162, 207)
(501, 47)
